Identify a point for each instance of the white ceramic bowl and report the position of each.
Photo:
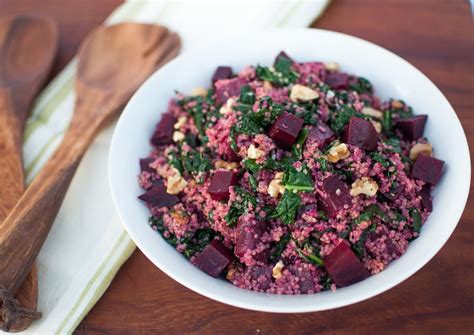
(391, 76)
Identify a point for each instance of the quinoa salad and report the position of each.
(289, 179)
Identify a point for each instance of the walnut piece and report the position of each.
(254, 153)
(300, 93)
(181, 121)
(199, 92)
(276, 271)
(372, 112)
(337, 152)
(227, 107)
(420, 148)
(220, 164)
(332, 66)
(175, 182)
(178, 136)
(276, 187)
(364, 185)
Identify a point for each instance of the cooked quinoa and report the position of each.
(289, 179)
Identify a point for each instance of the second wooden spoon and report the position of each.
(113, 62)
(28, 46)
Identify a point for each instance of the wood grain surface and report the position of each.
(437, 36)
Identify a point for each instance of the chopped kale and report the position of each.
(252, 166)
(280, 247)
(196, 162)
(281, 75)
(377, 157)
(297, 147)
(157, 224)
(362, 86)
(239, 207)
(295, 180)
(247, 95)
(288, 207)
(197, 243)
(175, 160)
(416, 217)
(369, 213)
(340, 118)
(387, 124)
(253, 183)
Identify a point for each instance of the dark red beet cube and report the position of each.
(337, 80)
(394, 192)
(285, 130)
(262, 275)
(334, 195)
(145, 164)
(214, 258)
(361, 133)
(320, 134)
(220, 183)
(158, 197)
(230, 155)
(283, 55)
(428, 169)
(412, 127)
(222, 72)
(344, 267)
(426, 201)
(228, 88)
(249, 231)
(164, 130)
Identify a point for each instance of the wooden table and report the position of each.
(436, 36)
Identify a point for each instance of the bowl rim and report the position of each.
(280, 307)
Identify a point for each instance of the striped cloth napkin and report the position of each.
(87, 244)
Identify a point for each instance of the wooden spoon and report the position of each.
(113, 62)
(28, 45)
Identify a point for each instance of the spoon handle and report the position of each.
(27, 226)
(11, 163)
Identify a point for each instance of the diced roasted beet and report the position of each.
(344, 267)
(361, 133)
(220, 183)
(228, 88)
(426, 201)
(285, 129)
(320, 134)
(249, 232)
(428, 169)
(158, 197)
(282, 54)
(145, 164)
(222, 72)
(262, 275)
(392, 248)
(335, 195)
(412, 127)
(214, 258)
(394, 192)
(164, 130)
(306, 282)
(337, 80)
(231, 156)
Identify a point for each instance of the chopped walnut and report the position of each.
(276, 187)
(176, 182)
(377, 125)
(338, 152)
(199, 92)
(254, 153)
(178, 136)
(396, 104)
(227, 107)
(372, 112)
(300, 93)
(420, 148)
(276, 271)
(180, 217)
(364, 185)
(267, 85)
(181, 121)
(220, 164)
(332, 66)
